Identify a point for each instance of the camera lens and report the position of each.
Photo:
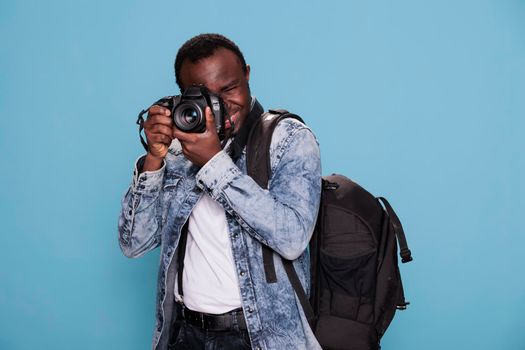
(189, 115)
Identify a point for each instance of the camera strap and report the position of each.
(180, 257)
(164, 102)
(241, 138)
(140, 123)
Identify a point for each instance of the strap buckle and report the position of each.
(402, 306)
(406, 255)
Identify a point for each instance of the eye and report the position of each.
(230, 88)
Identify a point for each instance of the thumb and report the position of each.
(210, 121)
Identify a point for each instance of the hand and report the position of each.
(159, 134)
(199, 148)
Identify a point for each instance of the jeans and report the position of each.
(187, 336)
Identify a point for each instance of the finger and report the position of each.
(183, 136)
(160, 129)
(158, 119)
(210, 121)
(159, 138)
(156, 109)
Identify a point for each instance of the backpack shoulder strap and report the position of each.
(258, 145)
(404, 251)
(259, 168)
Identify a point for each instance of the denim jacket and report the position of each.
(158, 203)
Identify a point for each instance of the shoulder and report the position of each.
(289, 129)
(292, 139)
(290, 125)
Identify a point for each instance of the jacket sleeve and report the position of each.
(140, 217)
(282, 217)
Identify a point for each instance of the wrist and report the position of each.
(152, 163)
(152, 157)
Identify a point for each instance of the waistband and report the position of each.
(232, 320)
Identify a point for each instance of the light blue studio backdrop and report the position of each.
(419, 101)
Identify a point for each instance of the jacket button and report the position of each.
(130, 212)
(250, 310)
(242, 273)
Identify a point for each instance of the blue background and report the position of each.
(419, 101)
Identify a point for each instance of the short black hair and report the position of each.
(203, 46)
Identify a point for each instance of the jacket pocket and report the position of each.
(171, 182)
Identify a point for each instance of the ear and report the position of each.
(247, 74)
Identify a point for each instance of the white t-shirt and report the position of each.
(209, 279)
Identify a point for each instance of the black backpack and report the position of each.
(356, 285)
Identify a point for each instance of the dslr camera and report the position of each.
(188, 111)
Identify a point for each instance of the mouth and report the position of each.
(227, 124)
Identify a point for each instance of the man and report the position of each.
(186, 180)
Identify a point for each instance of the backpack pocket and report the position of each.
(346, 304)
(345, 234)
(348, 286)
(334, 333)
(347, 262)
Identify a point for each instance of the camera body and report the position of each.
(188, 110)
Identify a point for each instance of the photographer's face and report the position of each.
(223, 75)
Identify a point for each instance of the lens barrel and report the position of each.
(189, 116)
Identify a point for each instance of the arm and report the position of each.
(139, 225)
(140, 217)
(284, 216)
